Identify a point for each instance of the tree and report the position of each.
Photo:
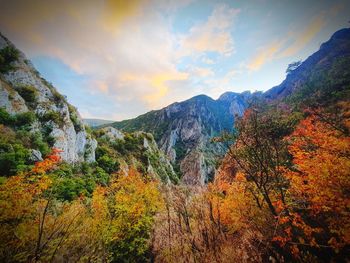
(134, 202)
(259, 152)
(320, 180)
(8, 55)
(293, 66)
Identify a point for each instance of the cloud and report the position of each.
(265, 55)
(213, 35)
(124, 48)
(208, 61)
(217, 86)
(117, 11)
(201, 72)
(290, 45)
(306, 35)
(160, 83)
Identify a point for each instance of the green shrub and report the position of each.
(180, 150)
(102, 177)
(25, 119)
(8, 55)
(6, 118)
(46, 131)
(28, 93)
(70, 188)
(13, 159)
(38, 142)
(108, 164)
(54, 116)
(77, 125)
(71, 181)
(57, 97)
(18, 120)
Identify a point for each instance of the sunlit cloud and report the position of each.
(265, 55)
(117, 11)
(145, 53)
(161, 86)
(305, 36)
(213, 35)
(291, 44)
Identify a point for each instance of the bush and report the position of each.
(102, 177)
(54, 116)
(57, 97)
(6, 118)
(69, 188)
(8, 55)
(28, 93)
(77, 125)
(13, 158)
(39, 143)
(25, 119)
(20, 119)
(108, 164)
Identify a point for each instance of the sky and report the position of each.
(118, 59)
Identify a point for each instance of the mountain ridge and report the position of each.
(183, 130)
(168, 131)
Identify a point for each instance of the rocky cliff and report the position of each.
(184, 132)
(138, 150)
(23, 90)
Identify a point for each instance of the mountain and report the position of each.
(34, 118)
(324, 72)
(183, 130)
(25, 94)
(96, 122)
(321, 81)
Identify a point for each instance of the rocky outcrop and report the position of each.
(112, 133)
(10, 99)
(139, 150)
(23, 89)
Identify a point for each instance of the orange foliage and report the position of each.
(321, 182)
(49, 162)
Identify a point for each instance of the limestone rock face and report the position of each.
(112, 133)
(53, 112)
(138, 149)
(184, 131)
(11, 100)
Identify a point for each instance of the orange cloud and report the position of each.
(298, 40)
(159, 83)
(117, 11)
(265, 55)
(305, 36)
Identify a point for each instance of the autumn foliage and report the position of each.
(290, 186)
(321, 180)
(115, 224)
(281, 194)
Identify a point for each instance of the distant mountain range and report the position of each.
(96, 122)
